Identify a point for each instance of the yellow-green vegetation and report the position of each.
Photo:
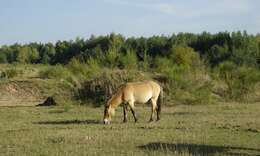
(219, 129)
(189, 126)
(200, 68)
(211, 95)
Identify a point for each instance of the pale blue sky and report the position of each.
(26, 21)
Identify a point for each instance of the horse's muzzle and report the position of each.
(106, 122)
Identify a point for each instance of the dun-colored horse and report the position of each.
(131, 93)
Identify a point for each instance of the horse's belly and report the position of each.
(143, 97)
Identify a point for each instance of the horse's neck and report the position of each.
(116, 100)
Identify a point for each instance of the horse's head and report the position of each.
(108, 113)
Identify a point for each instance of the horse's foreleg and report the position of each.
(133, 112)
(131, 104)
(125, 112)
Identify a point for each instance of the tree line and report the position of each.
(238, 47)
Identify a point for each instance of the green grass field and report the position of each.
(219, 129)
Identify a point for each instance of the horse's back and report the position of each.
(142, 86)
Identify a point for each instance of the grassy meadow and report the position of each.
(220, 129)
(211, 86)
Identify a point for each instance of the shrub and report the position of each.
(162, 64)
(129, 61)
(190, 86)
(3, 58)
(10, 73)
(84, 70)
(184, 84)
(77, 68)
(56, 72)
(93, 67)
(240, 81)
(217, 54)
(174, 73)
(145, 62)
(111, 57)
(183, 55)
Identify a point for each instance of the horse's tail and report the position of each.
(159, 103)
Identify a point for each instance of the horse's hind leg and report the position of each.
(153, 101)
(125, 112)
(158, 113)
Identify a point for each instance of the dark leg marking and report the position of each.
(134, 115)
(125, 112)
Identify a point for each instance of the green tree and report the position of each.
(27, 54)
(183, 55)
(3, 57)
(33, 55)
(47, 53)
(218, 54)
(129, 60)
(111, 57)
(116, 41)
(23, 55)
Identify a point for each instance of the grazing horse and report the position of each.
(135, 92)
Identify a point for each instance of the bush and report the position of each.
(9, 73)
(174, 73)
(84, 70)
(93, 67)
(77, 68)
(184, 56)
(184, 84)
(56, 72)
(217, 54)
(111, 57)
(240, 81)
(190, 86)
(3, 58)
(129, 61)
